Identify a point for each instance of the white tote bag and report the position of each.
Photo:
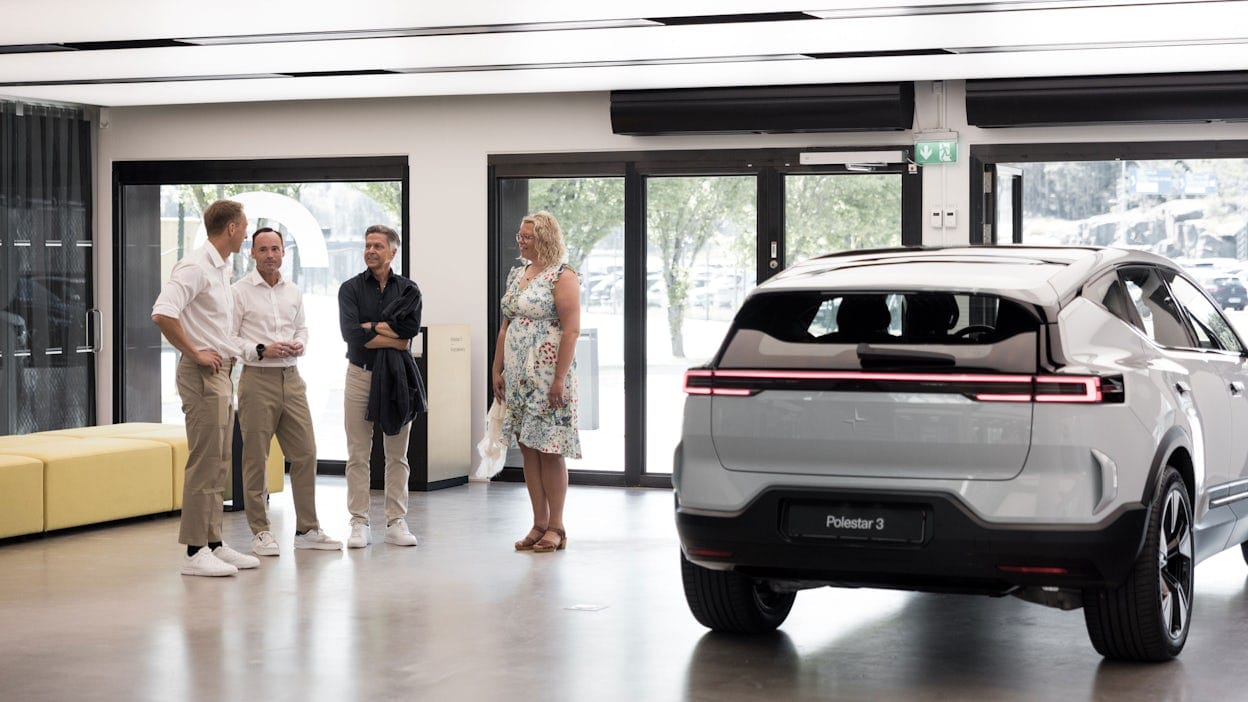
(493, 447)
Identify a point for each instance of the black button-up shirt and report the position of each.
(360, 300)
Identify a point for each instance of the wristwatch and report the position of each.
(260, 351)
(373, 328)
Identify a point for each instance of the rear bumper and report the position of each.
(958, 552)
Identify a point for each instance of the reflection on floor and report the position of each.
(102, 614)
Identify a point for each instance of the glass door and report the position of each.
(701, 248)
(322, 222)
(590, 212)
(669, 244)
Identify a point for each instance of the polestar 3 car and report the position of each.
(1066, 425)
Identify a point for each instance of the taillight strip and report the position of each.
(1028, 388)
(1090, 388)
(870, 375)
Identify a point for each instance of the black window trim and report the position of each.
(983, 155)
(209, 171)
(1190, 323)
(767, 165)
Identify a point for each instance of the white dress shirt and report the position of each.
(198, 295)
(264, 314)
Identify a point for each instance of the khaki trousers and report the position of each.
(360, 448)
(208, 403)
(274, 400)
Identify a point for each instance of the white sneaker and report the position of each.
(204, 563)
(263, 544)
(239, 560)
(398, 534)
(317, 539)
(359, 536)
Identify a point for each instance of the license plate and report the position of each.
(1232, 300)
(857, 521)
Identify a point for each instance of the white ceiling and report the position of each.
(235, 50)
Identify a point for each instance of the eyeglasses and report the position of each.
(525, 237)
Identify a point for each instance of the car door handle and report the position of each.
(1183, 388)
(1237, 389)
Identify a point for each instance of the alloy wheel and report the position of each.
(1175, 564)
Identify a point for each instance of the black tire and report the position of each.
(1148, 617)
(722, 600)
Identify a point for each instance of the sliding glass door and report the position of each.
(322, 220)
(668, 245)
(701, 234)
(590, 212)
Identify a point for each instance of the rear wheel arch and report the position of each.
(1148, 616)
(1172, 451)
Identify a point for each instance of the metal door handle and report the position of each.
(95, 337)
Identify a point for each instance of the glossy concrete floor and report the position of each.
(102, 614)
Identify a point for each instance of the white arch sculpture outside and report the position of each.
(299, 223)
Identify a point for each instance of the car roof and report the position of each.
(1042, 275)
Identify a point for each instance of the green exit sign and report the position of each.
(935, 153)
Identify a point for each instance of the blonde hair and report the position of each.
(547, 238)
(219, 215)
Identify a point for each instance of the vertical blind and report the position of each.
(46, 348)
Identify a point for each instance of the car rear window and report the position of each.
(882, 329)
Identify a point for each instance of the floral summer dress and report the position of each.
(529, 353)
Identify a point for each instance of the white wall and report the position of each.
(447, 141)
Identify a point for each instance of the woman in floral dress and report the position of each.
(535, 374)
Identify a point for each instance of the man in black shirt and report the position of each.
(362, 303)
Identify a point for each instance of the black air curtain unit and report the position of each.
(1139, 99)
(764, 109)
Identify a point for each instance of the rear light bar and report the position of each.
(983, 387)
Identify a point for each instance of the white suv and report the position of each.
(1067, 425)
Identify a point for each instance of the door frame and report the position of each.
(982, 156)
(769, 166)
(292, 170)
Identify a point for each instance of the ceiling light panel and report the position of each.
(1102, 26)
(59, 21)
(967, 66)
(417, 32)
(885, 8)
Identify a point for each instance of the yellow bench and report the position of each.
(21, 496)
(175, 436)
(70, 477)
(100, 479)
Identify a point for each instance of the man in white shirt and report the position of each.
(270, 330)
(194, 311)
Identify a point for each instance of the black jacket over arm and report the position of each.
(398, 391)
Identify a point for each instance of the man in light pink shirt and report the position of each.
(194, 312)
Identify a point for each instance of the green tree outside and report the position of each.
(682, 215)
(824, 214)
(588, 209)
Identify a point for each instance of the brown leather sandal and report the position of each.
(546, 546)
(527, 543)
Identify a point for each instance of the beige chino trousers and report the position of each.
(208, 403)
(360, 448)
(274, 400)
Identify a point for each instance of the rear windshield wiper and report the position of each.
(874, 357)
